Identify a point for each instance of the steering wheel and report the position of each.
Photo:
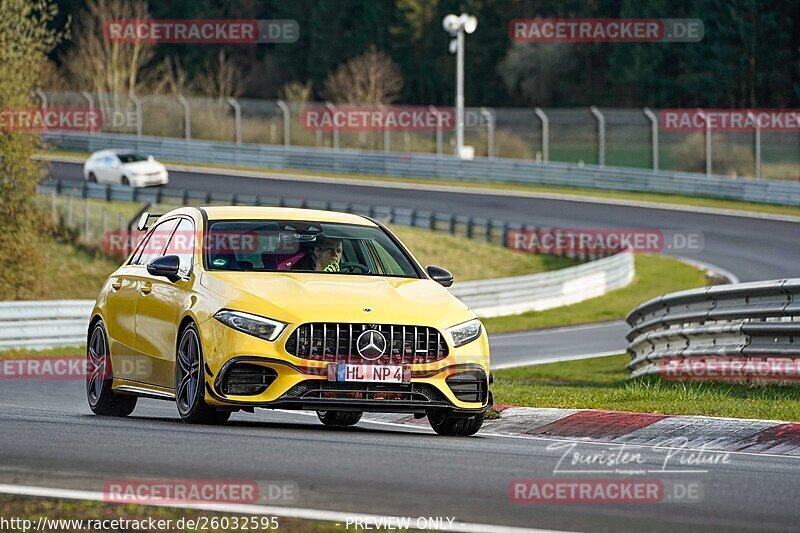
(351, 266)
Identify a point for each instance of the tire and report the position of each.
(125, 181)
(102, 400)
(339, 418)
(445, 423)
(92, 177)
(190, 382)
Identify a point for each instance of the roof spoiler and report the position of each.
(145, 220)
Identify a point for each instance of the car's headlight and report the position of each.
(464, 333)
(257, 326)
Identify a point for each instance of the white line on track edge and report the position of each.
(287, 512)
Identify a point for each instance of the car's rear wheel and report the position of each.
(99, 376)
(339, 418)
(445, 422)
(189, 382)
(92, 177)
(125, 180)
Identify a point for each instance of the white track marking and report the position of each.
(287, 512)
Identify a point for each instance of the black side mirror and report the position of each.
(166, 266)
(439, 275)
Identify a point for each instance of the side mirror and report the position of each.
(166, 266)
(439, 275)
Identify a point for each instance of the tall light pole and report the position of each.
(457, 26)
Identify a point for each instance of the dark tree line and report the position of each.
(749, 57)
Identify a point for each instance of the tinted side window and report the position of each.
(182, 245)
(157, 241)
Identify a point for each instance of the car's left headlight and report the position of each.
(464, 333)
(257, 326)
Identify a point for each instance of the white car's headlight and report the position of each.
(464, 333)
(257, 326)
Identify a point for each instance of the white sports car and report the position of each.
(125, 167)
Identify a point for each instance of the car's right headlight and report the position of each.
(464, 333)
(257, 326)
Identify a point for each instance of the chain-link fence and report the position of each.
(614, 137)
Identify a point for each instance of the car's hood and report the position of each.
(143, 167)
(297, 298)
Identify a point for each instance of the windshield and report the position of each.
(305, 246)
(131, 158)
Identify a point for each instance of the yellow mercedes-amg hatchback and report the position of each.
(231, 308)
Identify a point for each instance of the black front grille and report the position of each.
(469, 386)
(333, 390)
(245, 379)
(337, 343)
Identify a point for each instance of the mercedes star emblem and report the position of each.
(371, 344)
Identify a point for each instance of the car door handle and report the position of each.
(116, 284)
(147, 287)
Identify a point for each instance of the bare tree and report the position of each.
(168, 77)
(220, 79)
(372, 78)
(294, 91)
(102, 66)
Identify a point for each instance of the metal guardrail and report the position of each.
(740, 321)
(479, 170)
(536, 292)
(44, 324)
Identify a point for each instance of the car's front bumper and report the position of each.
(296, 383)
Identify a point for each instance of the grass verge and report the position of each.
(668, 199)
(655, 275)
(601, 383)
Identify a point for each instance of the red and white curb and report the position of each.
(646, 429)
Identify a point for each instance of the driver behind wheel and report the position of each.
(324, 257)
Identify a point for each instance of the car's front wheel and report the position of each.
(99, 377)
(92, 177)
(445, 422)
(189, 381)
(339, 418)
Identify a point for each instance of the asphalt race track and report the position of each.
(49, 437)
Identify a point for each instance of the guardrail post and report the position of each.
(470, 227)
(187, 117)
(237, 118)
(452, 225)
(545, 133)
(653, 135)
(287, 125)
(332, 109)
(490, 122)
(757, 142)
(487, 231)
(85, 220)
(90, 99)
(601, 135)
(137, 102)
(413, 218)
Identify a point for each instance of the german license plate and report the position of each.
(371, 373)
